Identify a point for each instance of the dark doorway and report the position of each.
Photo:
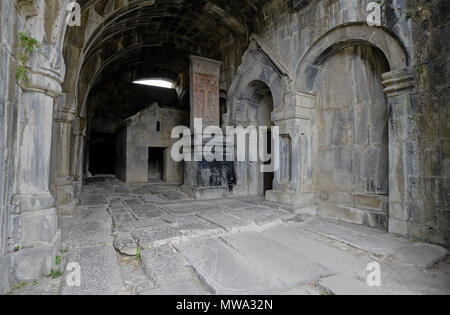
(268, 177)
(155, 164)
(102, 154)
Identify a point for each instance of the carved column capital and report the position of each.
(65, 108)
(398, 82)
(46, 72)
(297, 105)
(28, 8)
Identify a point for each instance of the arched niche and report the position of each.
(255, 67)
(310, 63)
(350, 121)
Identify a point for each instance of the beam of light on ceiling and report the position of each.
(155, 82)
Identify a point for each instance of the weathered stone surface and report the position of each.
(143, 212)
(143, 141)
(420, 254)
(379, 243)
(124, 243)
(227, 221)
(375, 242)
(333, 257)
(191, 225)
(222, 268)
(362, 111)
(4, 276)
(277, 260)
(166, 266)
(30, 264)
(100, 272)
(94, 200)
(179, 208)
(174, 195)
(346, 285)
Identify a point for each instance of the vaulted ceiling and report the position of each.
(160, 37)
(154, 38)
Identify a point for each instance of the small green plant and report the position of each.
(29, 43)
(138, 253)
(35, 282)
(54, 274)
(28, 46)
(58, 260)
(22, 73)
(20, 285)
(17, 248)
(64, 251)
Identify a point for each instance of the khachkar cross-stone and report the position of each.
(204, 90)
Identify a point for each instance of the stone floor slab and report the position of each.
(371, 240)
(287, 266)
(100, 272)
(94, 200)
(223, 269)
(335, 258)
(179, 209)
(228, 222)
(165, 266)
(420, 254)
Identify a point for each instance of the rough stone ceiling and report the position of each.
(160, 37)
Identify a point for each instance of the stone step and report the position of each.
(362, 215)
(376, 242)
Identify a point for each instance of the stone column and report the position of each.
(33, 235)
(64, 118)
(403, 166)
(293, 180)
(78, 134)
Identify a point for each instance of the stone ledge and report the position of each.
(362, 216)
(204, 193)
(378, 243)
(290, 198)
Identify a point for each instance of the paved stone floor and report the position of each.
(151, 239)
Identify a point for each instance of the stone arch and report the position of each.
(257, 98)
(256, 66)
(337, 39)
(349, 124)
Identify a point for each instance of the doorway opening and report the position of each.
(269, 176)
(155, 164)
(102, 154)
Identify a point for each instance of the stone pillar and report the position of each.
(203, 179)
(78, 134)
(33, 235)
(293, 180)
(204, 91)
(64, 118)
(403, 166)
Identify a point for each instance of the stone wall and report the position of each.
(299, 45)
(150, 128)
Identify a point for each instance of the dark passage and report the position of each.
(102, 154)
(268, 177)
(155, 163)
